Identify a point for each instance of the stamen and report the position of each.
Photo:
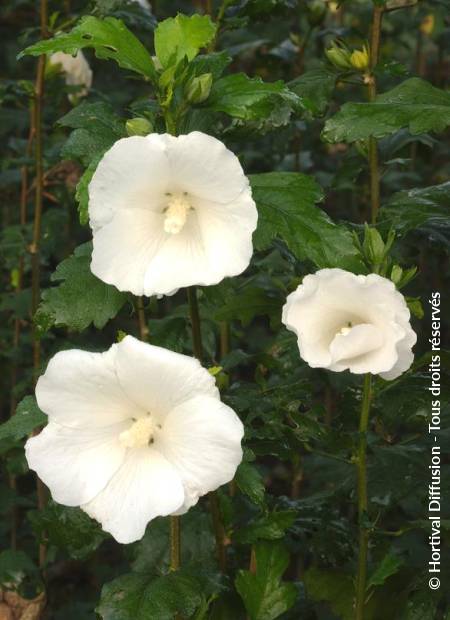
(176, 213)
(140, 433)
(345, 330)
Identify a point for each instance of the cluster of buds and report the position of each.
(348, 60)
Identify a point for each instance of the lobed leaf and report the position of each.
(110, 39)
(182, 36)
(265, 596)
(69, 529)
(414, 104)
(81, 298)
(286, 207)
(251, 99)
(315, 88)
(138, 596)
(424, 208)
(27, 418)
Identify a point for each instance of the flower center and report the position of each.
(141, 432)
(176, 212)
(345, 330)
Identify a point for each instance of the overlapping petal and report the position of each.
(76, 464)
(157, 379)
(202, 438)
(145, 487)
(80, 389)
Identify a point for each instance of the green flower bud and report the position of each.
(316, 12)
(360, 59)
(138, 127)
(199, 88)
(339, 56)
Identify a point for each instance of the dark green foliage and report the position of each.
(80, 299)
(265, 596)
(413, 104)
(254, 74)
(26, 419)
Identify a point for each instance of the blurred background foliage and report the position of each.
(292, 506)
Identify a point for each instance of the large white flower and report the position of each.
(344, 321)
(169, 212)
(76, 69)
(133, 433)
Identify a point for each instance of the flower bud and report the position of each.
(339, 56)
(138, 127)
(199, 88)
(427, 24)
(360, 59)
(316, 12)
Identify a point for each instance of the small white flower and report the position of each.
(76, 70)
(133, 433)
(169, 212)
(344, 321)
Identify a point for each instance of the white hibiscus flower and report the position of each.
(133, 433)
(344, 321)
(169, 212)
(76, 69)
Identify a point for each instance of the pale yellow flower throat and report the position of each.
(176, 212)
(141, 432)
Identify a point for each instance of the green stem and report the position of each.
(362, 499)
(224, 338)
(195, 323)
(175, 543)
(219, 531)
(36, 242)
(372, 92)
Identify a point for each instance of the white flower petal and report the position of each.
(205, 168)
(81, 389)
(158, 379)
(145, 487)
(344, 321)
(133, 174)
(76, 464)
(360, 340)
(124, 247)
(76, 69)
(405, 355)
(202, 439)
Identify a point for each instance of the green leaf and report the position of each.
(264, 595)
(250, 482)
(252, 301)
(14, 566)
(425, 208)
(69, 529)
(388, 566)
(251, 99)
(28, 416)
(82, 191)
(335, 587)
(139, 597)
(414, 104)
(269, 527)
(286, 207)
(110, 39)
(182, 36)
(81, 298)
(97, 127)
(315, 88)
